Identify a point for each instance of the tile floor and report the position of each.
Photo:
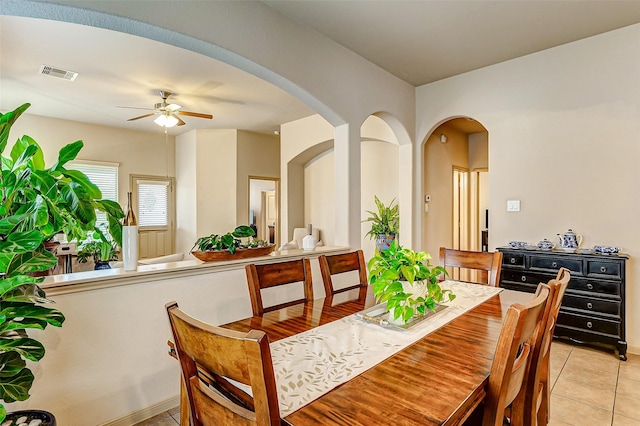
(590, 388)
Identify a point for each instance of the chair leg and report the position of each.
(184, 405)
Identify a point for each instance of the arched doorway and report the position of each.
(455, 186)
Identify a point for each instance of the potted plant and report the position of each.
(385, 223)
(238, 244)
(36, 203)
(404, 280)
(101, 251)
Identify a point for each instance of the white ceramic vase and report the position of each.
(130, 247)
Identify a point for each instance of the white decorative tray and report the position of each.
(379, 315)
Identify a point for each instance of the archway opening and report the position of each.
(456, 186)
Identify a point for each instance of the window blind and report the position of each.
(153, 201)
(105, 177)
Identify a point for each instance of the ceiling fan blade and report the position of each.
(142, 116)
(180, 122)
(148, 109)
(196, 114)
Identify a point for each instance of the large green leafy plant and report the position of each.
(36, 203)
(389, 268)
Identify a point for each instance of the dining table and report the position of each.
(438, 379)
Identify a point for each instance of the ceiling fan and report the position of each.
(168, 113)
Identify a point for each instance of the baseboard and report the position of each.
(145, 413)
(633, 350)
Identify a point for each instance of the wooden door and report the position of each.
(154, 201)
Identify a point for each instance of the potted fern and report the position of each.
(405, 280)
(36, 202)
(385, 223)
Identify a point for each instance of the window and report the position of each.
(105, 177)
(153, 202)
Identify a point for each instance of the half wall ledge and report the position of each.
(94, 280)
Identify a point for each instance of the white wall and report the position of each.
(258, 155)
(563, 128)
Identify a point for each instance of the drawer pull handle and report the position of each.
(554, 264)
(590, 286)
(523, 279)
(512, 260)
(603, 269)
(590, 305)
(589, 324)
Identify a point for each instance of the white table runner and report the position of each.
(310, 364)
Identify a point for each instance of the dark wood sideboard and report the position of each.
(593, 307)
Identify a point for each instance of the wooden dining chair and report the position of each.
(490, 264)
(510, 363)
(269, 275)
(216, 364)
(531, 407)
(340, 263)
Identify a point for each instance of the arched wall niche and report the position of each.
(456, 147)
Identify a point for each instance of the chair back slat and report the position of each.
(270, 275)
(341, 263)
(228, 375)
(491, 263)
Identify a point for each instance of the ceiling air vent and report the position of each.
(57, 72)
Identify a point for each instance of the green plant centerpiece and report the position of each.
(404, 280)
(36, 203)
(385, 223)
(238, 244)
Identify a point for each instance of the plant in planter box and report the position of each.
(231, 241)
(404, 280)
(36, 202)
(240, 243)
(385, 223)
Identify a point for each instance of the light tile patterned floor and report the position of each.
(590, 387)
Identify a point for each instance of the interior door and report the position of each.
(460, 216)
(270, 215)
(154, 201)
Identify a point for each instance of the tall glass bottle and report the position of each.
(130, 238)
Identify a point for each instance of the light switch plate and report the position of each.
(513, 205)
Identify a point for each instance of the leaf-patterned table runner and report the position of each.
(310, 364)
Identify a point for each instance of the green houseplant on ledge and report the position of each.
(385, 223)
(404, 280)
(36, 203)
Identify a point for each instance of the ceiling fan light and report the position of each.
(166, 121)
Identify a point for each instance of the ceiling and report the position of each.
(418, 41)
(421, 41)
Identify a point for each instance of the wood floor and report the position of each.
(590, 387)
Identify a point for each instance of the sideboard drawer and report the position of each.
(525, 277)
(602, 288)
(611, 327)
(589, 304)
(513, 259)
(595, 267)
(547, 263)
